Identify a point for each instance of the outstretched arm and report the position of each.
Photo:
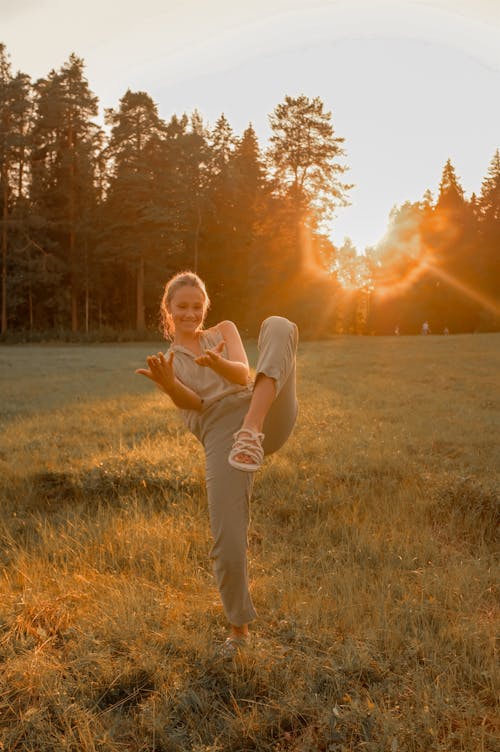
(235, 367)
(161, 372)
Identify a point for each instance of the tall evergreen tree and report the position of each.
(249, 190)
(15, 122)
(304, 162)
(197, 179)
(135, 210)
(217, 246)
(489, 200)
(304, 156)
(451, 194)
(187, 174)
(65, 144)
(488, 213)
(455, 266)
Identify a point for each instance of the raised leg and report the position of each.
(263, 396)
(273, 407)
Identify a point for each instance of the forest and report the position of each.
(94, 218)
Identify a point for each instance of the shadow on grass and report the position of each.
(51, 490)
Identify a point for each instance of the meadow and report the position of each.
(373, 557)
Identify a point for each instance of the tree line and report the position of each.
(438, 262)
(94, 219)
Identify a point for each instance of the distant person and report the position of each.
(425, 328)
(206, 374)
(396, 330)
(446, 331)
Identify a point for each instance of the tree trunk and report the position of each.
(140, 319)
(72, 238)
(74, 306)
(4, 251)
(197, 238)
(30, 301)
(86, 308)
(87, 295)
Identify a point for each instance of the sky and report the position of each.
(409, 83)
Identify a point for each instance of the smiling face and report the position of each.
(187, 310)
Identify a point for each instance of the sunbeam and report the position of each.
(486, 302)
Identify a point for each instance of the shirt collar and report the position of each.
(186, 350)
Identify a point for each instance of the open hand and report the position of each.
(161, 370)
(211, 358)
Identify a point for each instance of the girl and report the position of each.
(206, 374)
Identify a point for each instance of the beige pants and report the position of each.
(229, 490)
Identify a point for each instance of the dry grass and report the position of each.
(372, 557)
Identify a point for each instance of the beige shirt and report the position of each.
(203, 380)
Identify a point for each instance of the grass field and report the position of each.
(372, 553)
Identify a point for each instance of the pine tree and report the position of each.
(217, 247)
(304, 156)
(197, 179)
(489, 200)
(186, 173)
(222, 146)
(15, 110)
(451, 194)
(63, 166)
(488, 262)
(427, 199)
(304, 163)
(135, 208)
(249, 188)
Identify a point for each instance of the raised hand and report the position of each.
(160, 371)
(211, 358)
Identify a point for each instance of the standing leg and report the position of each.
(229, 493)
